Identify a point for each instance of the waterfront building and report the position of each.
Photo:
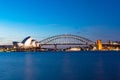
(74, 49)
(28, 42)
(113, 42)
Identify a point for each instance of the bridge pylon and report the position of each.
(99, 45)
(55, 47)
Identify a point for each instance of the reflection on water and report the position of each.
(66, 68)
(28, 67)
(100, 70)
(118, 67)
(60, 66)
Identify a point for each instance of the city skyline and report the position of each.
(41, 19)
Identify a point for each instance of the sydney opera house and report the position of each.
(28, 42)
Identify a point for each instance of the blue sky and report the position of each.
(93, 19)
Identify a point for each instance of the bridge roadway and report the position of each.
(104, 45)
(67, 44)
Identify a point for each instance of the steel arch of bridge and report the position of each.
(53, 40)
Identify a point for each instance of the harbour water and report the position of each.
(60, 66)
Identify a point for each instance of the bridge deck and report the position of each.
(67, 44)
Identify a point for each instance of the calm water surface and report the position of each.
(60, 66)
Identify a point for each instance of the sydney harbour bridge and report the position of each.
(67, 40)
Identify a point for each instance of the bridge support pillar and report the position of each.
(55, 47)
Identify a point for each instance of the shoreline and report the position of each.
(64, 51)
